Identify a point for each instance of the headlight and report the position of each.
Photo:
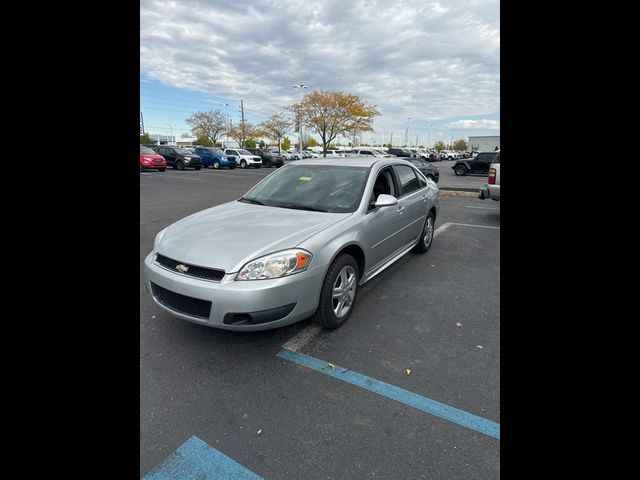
(158, 238)
(276, 265)
(187, 159)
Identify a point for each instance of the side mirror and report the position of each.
(385, 200)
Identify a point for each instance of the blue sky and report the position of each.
(436, 62)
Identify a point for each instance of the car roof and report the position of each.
(350, 161)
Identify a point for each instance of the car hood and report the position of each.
(229, 235)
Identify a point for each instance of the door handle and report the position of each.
(424, 197)
(400, 209)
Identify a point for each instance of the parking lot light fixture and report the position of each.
(300, 87)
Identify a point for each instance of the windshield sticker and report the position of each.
(304, 179)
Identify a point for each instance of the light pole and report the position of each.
(429, 141)
(171, 126)
(300, 87)
(406, 133)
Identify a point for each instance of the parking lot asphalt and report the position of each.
(448, 179)
(435, 314)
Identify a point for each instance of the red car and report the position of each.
(150, 159)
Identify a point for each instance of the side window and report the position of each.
(408, 179)
(365, 152)
(384, 184)
(497, 158)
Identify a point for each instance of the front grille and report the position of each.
(194, 271)
(158, 160)
(181, 303)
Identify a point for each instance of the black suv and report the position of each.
(400, 152)
(178, 157)
(478, 164)
(268, 159)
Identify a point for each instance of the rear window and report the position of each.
(497, 159)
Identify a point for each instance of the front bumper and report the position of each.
(254, 300)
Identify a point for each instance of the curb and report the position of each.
(460, 189)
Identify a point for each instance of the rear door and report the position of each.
(481, 163)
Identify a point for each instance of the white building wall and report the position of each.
(484, 143)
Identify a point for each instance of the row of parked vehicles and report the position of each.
(159, 157)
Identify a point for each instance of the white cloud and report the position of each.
(410, 58)
(484, 124)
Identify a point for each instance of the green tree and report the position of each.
(311, 142)
(204, 141)
(460, 145)
(439, 146)
(286, 143)
(211, 124)
(276, 128)
(145, 139)
(249, 143)
(331, 114)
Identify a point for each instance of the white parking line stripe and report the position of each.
(479, 226)
(484, 208)
(441, 229)
(303, 337)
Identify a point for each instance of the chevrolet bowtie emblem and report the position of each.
(182, 268)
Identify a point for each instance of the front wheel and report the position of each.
(460, 170)
(216, 165)
(161, 169)
(338, 293)
(243, 164)
(197, 168)
(450, 158)
(180, 166)
(426, 237)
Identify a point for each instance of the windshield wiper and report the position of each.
(250, 200)
(300, 207)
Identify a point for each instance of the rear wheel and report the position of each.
(180, 165)
(426, 237)
(338, 293)
(460, 170)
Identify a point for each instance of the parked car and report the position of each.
(150, 159)
(178, 157)
(370, 152)
(285, 155)
(492, 187)
(478, 164)
(310, 153)
(299, 244)
(399, 152)
(269, 159)
(244, 158)
(450, 155)
(215, 157)
(428, 170)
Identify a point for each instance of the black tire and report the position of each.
(232, 168)
(426, 237)
(460, 170)
(243, 164)
(216, 165)
(325, 314)
(450, 158)
(162, 169)
(257, 166)
(197, 168)
(180, 165)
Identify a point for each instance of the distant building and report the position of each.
(485, 143)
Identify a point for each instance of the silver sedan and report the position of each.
(299, 244)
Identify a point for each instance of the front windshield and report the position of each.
(324, 188)
(215, 150)
(184, 151)
(242, 151)
(146, 151)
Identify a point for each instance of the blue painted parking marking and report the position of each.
(195, 459)
(452, 414)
